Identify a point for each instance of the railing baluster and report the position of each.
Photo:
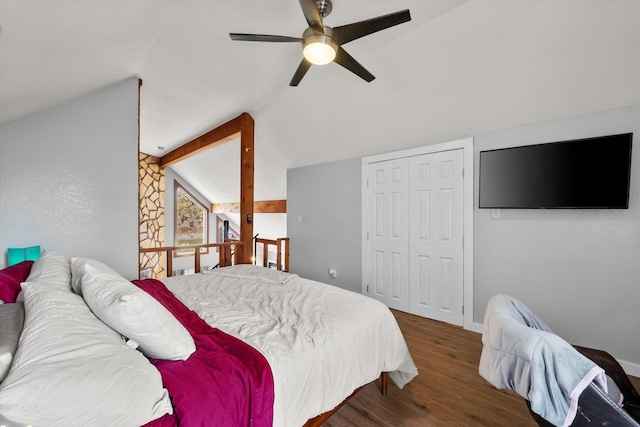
(196, 254)
(169, 263)
(286, 254)
(279, 255)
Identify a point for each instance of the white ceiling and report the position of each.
(458, 68)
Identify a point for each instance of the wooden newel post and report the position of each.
(246, 187)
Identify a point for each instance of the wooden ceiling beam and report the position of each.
(218, 136)
(262, 206)
(241, 127)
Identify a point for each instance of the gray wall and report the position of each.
(578, 269)
(327, 197)
(68, 178)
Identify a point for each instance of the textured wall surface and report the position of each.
(69, 179)
(324, 222)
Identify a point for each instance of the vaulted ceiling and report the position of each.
(458, 68)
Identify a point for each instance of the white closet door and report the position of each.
(436, 247)
(387, 255)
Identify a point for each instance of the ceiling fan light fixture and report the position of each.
(319, 49)
(322, 44)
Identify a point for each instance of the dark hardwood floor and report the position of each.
(447, 392)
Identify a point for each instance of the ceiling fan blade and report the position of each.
(300, 72)
(312, 14)
(347, 61)
(262, 38)
(349, 32)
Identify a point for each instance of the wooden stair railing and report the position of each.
(228, 253)
(282, 252)
(226, 257)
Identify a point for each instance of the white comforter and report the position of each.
(322, 342)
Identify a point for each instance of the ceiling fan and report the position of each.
(322, 45)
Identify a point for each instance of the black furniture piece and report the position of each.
(597, 408)
(521, 353)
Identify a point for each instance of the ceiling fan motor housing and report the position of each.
(324, 7)
(327, 36)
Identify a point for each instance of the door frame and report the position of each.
(466, 145)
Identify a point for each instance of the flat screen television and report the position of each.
(584, 173)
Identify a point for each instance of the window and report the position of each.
(191, 222)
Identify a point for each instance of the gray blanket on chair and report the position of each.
(522, 354)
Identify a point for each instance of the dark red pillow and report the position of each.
(10, 279)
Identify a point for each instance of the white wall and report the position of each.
(578, 269)
(327, 197)
(69, 178)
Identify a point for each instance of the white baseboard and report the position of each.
(629, 368)
(474, 327)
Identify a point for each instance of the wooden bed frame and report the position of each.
(320, 419)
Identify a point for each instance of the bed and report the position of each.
(241, 345)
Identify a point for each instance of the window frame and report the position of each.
(206, 212)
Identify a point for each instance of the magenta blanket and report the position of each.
(224, 383)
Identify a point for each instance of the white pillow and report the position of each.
(51, 268)
(73, 370)
(11, 322)
(78, 267)
(136, 315)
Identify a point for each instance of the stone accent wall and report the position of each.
(151, 216)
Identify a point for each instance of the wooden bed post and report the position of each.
(383, 383)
